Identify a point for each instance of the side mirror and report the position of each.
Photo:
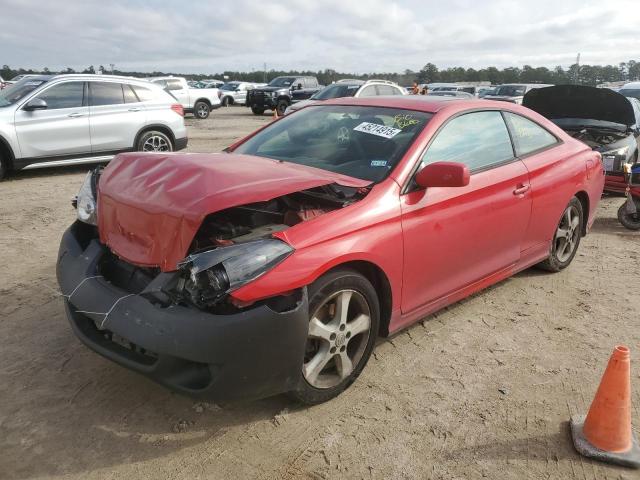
(443, 174)
(35, 104)
(299, 86)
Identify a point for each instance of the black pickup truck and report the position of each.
(280, 93)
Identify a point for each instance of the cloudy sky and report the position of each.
(346, 35)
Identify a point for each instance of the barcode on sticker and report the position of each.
(379, 130)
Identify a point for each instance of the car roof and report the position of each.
(422, 103)
(630, 85)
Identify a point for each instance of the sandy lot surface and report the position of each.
(482, 389)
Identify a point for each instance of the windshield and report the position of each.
(361, 142)
(281, 82)
(630, 92)
(510, 91)
(18, 91)
(337, 90)
(229, 86)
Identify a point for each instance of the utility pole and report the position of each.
(112, 67)
(265, 73)
(577, 79)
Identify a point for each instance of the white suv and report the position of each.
(350, 88)
(53, 120)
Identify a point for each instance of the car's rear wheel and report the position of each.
(630, 220)
(154, 141)
(281, 106)
(257, 110)
(566, 238)
(343, 325)
(201, 110)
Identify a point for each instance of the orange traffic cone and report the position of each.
(605, 434)
(275, 113)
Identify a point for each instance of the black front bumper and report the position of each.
(251, 354)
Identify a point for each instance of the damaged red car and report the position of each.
(274, 266)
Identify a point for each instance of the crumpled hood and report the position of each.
(578, 101)
(151, 205)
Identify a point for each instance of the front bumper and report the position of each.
(252, 354)
(181, 143)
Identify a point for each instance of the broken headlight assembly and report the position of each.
(85, 202)
(214, 273)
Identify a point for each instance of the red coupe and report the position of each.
(273, 267)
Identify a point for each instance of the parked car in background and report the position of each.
(484, 91)
(606, 121)
(513, 92)
(233, 93)
(71, 119)
(17, 78)
(274, 267)
(451, 93)
(281, 92)
(213, 83)
(350, 88)
(631, 90)
(198, 101)
(2, 83)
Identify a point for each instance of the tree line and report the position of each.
(576, 74)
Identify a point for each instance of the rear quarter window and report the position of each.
(528, 136)
(144, 94)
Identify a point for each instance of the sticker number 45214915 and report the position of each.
(379, 130)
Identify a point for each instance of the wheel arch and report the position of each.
(161, 128)
(202, 99)
(380, 282)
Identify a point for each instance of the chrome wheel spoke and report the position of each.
(361, 324)
(562, 232)
(342, 306)
(344, 366)
(317, 329)
(313, 368)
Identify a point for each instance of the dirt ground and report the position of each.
(483, 389)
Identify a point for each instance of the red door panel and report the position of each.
(456, 236)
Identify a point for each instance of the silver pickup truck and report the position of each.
(199, 101)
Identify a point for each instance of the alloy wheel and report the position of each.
(156, 143)
(567, 234)
(339, 331)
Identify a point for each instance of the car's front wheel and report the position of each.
(343, 325)
(154, 141)
(257, 110)
(201, 110)
(566, 238)
(281, 106)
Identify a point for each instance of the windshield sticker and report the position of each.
(404, 121)
(353, 87)
(32, 84)
(378, 163)
(379, 130)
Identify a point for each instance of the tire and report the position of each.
(4, 169)
(154, 141)
(257, 110)
(567, 235)
(325, 374)
(201, 110)
(632, 222)
(281, 106)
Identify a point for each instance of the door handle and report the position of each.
(521, 189)
(134, 109)
(76, 115)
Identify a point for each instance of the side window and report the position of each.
(386, 90)
(65, 95)
(369, 91)
(105, 93)
(129, 94)
(479, 140)
(143, 93)
(311, 83)
(528, 136)
(174, 85)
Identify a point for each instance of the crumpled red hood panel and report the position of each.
(151, 205)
